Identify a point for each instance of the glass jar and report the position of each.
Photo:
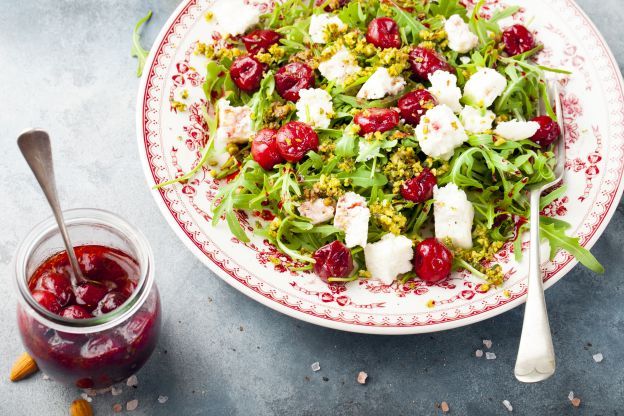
(100, 351)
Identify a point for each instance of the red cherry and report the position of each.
(425, 61)
(376, 119)
(76, 312)
(295, 139)
(517, 40)
(333, 260)
(103, 263)
(331, 4)
(102, 349)
(89, 294)
(432, 261)
(47, 300)
(246, 72)
(109, 303)
(292, 78)
(415, 104)
(260, 40)
(264, 149)
(138, 327)
(383, 32)
(420, 188)
(548, 131)
(58, 284)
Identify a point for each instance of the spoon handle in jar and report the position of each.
(35, 146)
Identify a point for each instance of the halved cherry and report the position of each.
(420, 188)
(292, 78)
(376, 119)
(56, 283)
(260, 40)
(425, 61)
(246, 72)
(383, 32)
(333, 260)
(295, 139)
(415, 104)
(110, 302)
(76, 312)
(432, 261)
(518, 39)
(89, 294)
(264, 149)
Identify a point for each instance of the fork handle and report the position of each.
(536, 355)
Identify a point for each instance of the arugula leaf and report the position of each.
(137, 50)
(448, 8)
(554, 231)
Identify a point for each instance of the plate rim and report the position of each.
(306, 316)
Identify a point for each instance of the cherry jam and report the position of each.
(80, 356)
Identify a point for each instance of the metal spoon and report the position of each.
(536, 355)
(35, 146)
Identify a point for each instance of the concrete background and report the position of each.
(65, 66)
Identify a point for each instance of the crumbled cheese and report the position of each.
(453, 215)
(319, 26)
(440, 132)
(484, 87)
(381, 84)
(235, 124)
(234, 17)
(340, 66)
(444, 88)
(352, 217)
(515, 130)
(460, 38)
(389, 257)
(316, 210)
(476, 120)
(315, 107)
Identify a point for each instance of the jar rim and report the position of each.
(95, 216)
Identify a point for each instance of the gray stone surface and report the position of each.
(65, 66)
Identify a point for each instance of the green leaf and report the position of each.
(137, 50)
(448, 8)
(235, 227)
(363, 177)
(555, 233)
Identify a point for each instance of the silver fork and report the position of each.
(536, 355)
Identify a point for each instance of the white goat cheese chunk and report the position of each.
(315, 107)
(352, 217)
(444, 88)
(319, 24)
(340, 66)
(440, 132)
(483, 87)
(476, 120)
(460, 38)
(316, 211)
(381, 84)
(235, 124)
(389, 257)
(234, 17)
(515, 130)
(453, 215)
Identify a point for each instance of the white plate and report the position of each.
(169, 144)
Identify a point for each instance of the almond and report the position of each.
(23, 367)
(80, 407)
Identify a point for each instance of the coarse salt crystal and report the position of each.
(479, 353)
(117, 408)
(598, 357)
(576, 402)
(86, 397)
(116, 391)
(162, 399)
(444, 407)
(571, 396)
(487, 343)
(508, 405)
(45, 377)
(132, 405)
(315, 366)
(490, 356)
(361, 377)
(132, 381)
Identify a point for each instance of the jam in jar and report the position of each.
(98, 330)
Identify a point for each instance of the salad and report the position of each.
(380, 139)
